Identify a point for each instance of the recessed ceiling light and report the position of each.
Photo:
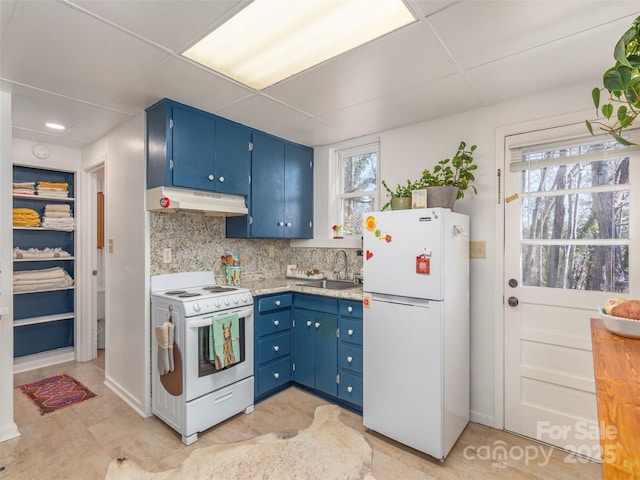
(55, 126)
(271, 40)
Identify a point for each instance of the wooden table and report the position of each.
(616, 363)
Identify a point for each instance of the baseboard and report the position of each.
(482, 418)
(44, 359)
(9, 431)
(124, 395)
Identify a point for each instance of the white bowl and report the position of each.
(621, 326)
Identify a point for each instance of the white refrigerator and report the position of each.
(416, 327)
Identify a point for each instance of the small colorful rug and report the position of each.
(54, 393)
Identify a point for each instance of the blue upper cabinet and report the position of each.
(281, 200)
(189, 148)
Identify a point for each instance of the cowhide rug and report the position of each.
(328, 449)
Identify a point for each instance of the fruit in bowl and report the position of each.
(620, 307)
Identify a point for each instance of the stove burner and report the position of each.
(218, 288)
(189, 294)
(175, 292)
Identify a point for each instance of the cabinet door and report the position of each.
(298, 198)
(304, 333)
(326, 353)
(193, 148)
(232, 158)
(267, 190)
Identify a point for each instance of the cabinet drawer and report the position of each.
(274, 375)
(350, 358)
(274, 347)
(350, 309)
(351, 331)
(316, 303)
(273, 322)
(274, 302)
(350, 388)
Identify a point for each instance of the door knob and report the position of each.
(276, 323)
(308, 323)
(317, 324)
(276, 348)
(210, 177)
(513, 283)
(513, 301)
(221, 179)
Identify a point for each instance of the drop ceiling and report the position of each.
(93, 65)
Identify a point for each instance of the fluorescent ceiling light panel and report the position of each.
(271, 40)
(55, 126)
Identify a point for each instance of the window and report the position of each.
(357, 187)
(575, 214)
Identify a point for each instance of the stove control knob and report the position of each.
(226, 301)
(236, 300)
(196, 307)
(216, 303)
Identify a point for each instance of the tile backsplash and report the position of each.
(197, 242)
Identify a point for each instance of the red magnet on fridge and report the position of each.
(423, 264)
(369, 254)
(165, 202)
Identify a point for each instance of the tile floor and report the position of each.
(80, 441)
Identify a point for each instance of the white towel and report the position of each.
(164, 337)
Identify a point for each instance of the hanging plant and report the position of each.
(622, 82)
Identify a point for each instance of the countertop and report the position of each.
(277, 285)
(616, 362)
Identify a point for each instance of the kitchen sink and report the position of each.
(329, 284)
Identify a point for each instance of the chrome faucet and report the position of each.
(346, 264)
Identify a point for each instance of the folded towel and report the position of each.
(48, 214)
(61, 185)
(56, 252)
(25, 217)
(42, 279)
(54, 207)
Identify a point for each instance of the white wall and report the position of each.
(8, 428)
(406, 151)
(127, 325)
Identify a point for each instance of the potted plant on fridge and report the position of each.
(450, 178)
(622, 82)
(400, 198)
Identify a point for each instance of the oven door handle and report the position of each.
(205, 322)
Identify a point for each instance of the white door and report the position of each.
(569, 219)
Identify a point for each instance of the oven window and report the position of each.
(221, 345)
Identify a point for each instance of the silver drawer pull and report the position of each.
(276, 323)
(317, 324)
(276, 375)
(350, 309)
(277, 303)
(350, 332)
(308, 323)
(349, 359)
(349, 389)
(276, 348)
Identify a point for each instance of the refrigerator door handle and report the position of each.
(418, 302)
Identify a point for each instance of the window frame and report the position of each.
(338, 196)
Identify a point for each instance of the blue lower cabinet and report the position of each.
(350, 388)
(273, 375)
(273, 343)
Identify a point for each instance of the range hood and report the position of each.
(171, 199)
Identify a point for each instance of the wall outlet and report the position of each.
(478, 249)
(166, 255)
(272, 251)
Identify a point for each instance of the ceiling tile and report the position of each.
(423, 102)
(173, 24)
(183, 81)
(507, 28)
(547, 68)
(54, 47)
(310, 131)
(262, 113)
(399, 60)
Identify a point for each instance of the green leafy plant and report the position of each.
(622, 82)
(401, 190)
(454, 172)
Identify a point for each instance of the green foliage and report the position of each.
(401, 190)
(455, 172)
(622, 81)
